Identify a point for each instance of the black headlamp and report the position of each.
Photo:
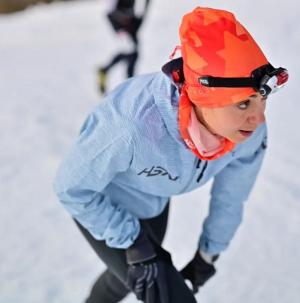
(265, 80)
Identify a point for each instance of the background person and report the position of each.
(126, 19)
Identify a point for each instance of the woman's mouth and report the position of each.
(246, 133)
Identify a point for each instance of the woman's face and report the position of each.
(235, 122)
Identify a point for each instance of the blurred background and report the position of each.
(50, 54)
(11, 6)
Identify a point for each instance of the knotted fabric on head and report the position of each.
(214, 43)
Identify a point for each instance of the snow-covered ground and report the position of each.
(48, 58)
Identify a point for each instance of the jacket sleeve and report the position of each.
(102, 150)
(230, 189)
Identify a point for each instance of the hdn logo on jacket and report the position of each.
(157, 171)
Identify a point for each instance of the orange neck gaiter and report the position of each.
(184, 118)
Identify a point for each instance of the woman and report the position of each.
(164, 134)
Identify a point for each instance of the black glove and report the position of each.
(198, 271)
(146, 275)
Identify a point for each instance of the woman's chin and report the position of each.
(237, 138)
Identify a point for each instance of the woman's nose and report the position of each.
(258, 115)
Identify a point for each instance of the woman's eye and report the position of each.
(244, 104)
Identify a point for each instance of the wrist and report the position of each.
(209, 259)
(141, 250)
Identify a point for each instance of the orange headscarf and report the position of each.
(214, 43)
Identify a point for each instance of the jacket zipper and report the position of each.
(202, 172)
(195, 166)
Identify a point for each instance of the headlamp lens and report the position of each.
(272, 80)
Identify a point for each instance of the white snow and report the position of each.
(48, 58)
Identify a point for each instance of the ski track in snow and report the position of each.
(48, 58)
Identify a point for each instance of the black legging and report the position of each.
(130, 58)
(110, 286)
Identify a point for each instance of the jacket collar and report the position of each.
(174, 70)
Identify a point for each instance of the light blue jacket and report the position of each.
(129, 159)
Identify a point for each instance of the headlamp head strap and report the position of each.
(265, 80)
(227, 82)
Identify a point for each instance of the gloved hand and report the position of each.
(198, 271)
(146, 273)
